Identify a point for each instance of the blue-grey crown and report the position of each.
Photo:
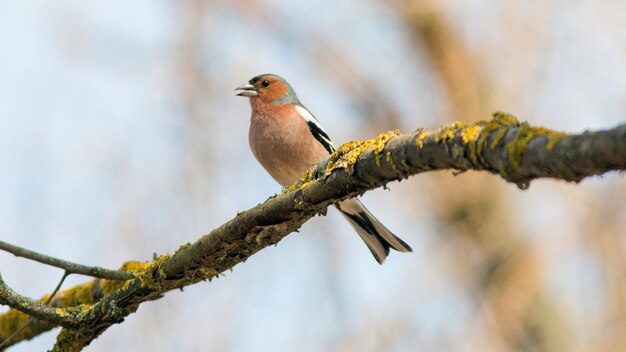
(289, 98)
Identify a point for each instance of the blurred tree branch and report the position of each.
(516, 151)
(461, 75)
(475, 210)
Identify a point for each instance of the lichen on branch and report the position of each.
(73, 303)
(517, 151)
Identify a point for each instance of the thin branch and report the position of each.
(81, 296)
(35, 308)
(58, 287)
(5, 343)
(516, 151)
(70, 267)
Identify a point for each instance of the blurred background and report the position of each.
(121, 136)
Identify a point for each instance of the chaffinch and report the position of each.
(287, 140)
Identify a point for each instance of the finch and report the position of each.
(287, 140)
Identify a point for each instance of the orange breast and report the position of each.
(282, 143)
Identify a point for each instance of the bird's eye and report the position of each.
(265, 83)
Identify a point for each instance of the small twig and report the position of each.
(31, 319)
(34, 308)
(56, 289)
(72, 268)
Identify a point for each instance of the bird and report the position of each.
(286, 139)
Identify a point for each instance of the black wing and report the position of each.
(316, 129)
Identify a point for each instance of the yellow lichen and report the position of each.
(134, 267)
(501, 120)
(380, 142)
(292, 187)
(419, 141)
(494, 131)
(75, 301)
(66, 303)
(67, 340)
(554, 137)
(147, 276)
(471, 137)
(470, 134)
(446, 132)
(504, 119)
(13, 320)
(346, 156)
(498, 137)
(91, 291)
(390, 161)
(75, 311)
(526, 133)
(82, 294)
(307, 178)
(302, 183)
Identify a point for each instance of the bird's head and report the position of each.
(268, 88)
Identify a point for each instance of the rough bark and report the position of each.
(516, 151)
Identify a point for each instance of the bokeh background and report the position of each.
(121, 136)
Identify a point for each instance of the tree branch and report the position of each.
(71, 268)
(31, 319)
(36, 309)
(81, 297)
(516, 151)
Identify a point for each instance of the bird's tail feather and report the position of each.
(375, 235)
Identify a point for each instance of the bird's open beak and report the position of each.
(248, 90)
